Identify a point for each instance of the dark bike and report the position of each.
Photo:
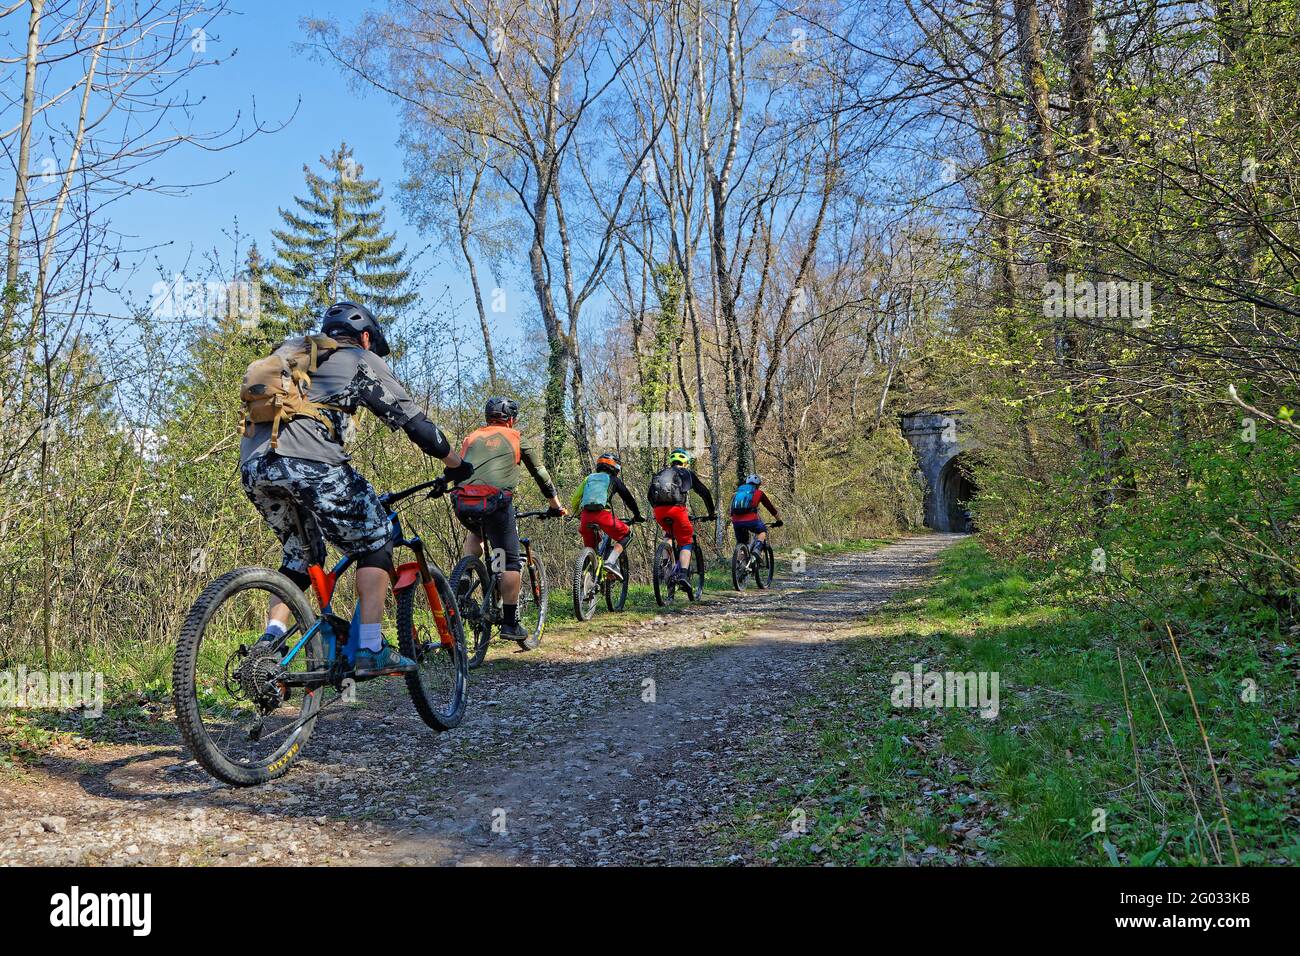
(665, 568)
(747, 561)
(246, 707)
(591, 579)
(476, 586)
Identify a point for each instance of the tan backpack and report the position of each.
(275, 388)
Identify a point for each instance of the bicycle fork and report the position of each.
(406, 577)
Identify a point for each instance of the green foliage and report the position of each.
(865, 488)
(333, 247)
(656, 369)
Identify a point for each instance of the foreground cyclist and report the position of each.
(669, 491)
(594, 496)
(307, 474)
(485, 498)
(744, 512)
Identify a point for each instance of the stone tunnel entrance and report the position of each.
(955, 490)
(941, 445)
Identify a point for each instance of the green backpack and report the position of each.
(596, 491)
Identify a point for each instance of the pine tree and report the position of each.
(333, 247)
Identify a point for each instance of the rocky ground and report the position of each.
(620, 748)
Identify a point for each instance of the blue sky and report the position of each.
(268, 74)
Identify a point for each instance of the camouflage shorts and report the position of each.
(335, 504)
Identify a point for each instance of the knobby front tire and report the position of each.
(534, 599)
(765, 568)
(739, 566)
(439, 687)
(664, 560)
(697, 571)
(616, 591)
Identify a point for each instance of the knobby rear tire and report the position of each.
(584, 584)
(471, 575)
(184, 679)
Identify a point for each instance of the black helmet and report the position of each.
(501, 409)
(348, 318)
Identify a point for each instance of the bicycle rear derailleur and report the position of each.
(254, 675)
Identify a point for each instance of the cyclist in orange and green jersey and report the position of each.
(495, 452)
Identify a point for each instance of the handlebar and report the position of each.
(544, 513)
(393, 497)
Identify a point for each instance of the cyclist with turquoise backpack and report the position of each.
(594, 498)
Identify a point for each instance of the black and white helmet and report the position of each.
(501, 409)
(754, 479)
(350, 319)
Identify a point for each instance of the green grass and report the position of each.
(883, 784)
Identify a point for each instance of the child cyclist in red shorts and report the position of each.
(669, 490)
(744, 512)
(592, 503)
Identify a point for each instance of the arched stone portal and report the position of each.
(955, 490)
(939, 442)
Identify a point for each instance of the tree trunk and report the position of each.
(14, 247)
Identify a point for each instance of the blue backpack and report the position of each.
(743, 500)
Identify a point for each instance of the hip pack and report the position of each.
(479, 501)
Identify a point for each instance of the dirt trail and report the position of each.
(620, 748)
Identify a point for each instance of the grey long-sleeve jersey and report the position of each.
(350, 378)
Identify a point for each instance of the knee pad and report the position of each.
(381, 558)
(299, 578)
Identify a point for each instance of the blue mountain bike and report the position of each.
(247, 706)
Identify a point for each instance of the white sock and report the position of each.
(372, 637)
(275, 628)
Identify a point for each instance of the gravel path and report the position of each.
(615, 749)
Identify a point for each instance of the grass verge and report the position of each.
(1080, 766)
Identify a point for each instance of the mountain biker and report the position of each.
(308, 492)
(593, 497)
(744, 512)
(493, 454)
(669, 490)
